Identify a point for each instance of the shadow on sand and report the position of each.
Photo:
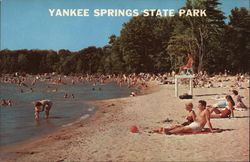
(242, 117)
(213, 94)
(237, 117)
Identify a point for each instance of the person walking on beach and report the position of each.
(202, 118)
(42, 105)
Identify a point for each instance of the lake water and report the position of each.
(17, 122)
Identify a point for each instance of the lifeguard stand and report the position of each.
(188, 71)
(190, 77)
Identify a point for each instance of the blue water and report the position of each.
(17, 122)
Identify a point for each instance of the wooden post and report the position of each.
(191, 86)
(176, 86)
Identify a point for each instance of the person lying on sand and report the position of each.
(202, 118)
(227, 112)
(42, 105)
(190, 118)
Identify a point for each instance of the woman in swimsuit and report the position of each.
(227, 112)
(237, 99)
(190, 118)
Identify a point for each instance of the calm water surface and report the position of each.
(17, 122)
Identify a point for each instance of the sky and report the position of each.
(27, 24)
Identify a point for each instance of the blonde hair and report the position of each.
(189, 104)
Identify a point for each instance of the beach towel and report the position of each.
(204, 131)
(240, 109)
(220, 104)
(218, 97)
(237, 117)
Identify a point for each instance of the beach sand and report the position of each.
(106, 135)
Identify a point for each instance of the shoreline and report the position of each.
(14, 148)
(28, 82)
(105, 135)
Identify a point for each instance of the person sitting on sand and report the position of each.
(188, 65)
(237, 99)
(225, 112)
(190, 118)
(202, 118)
(42, 105)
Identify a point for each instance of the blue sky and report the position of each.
(27, 24)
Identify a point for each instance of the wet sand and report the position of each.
(106, 135)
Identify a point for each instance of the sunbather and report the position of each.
(226, 112)
(202, 118)
(238, 101)
(190, 118)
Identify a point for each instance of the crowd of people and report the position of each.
(225, 109)
(26, 83)
(137, 81)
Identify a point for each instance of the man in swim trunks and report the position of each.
(202, 118)
(188, 65)
(190, 118)
(42, 105)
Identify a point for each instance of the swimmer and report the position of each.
(9, 102)
(31, 90)
(66, 95)
(42, 105)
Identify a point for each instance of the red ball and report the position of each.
(134, 129)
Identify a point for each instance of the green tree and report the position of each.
(200, 32)
(237, 39)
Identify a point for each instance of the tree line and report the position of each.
(153, 45)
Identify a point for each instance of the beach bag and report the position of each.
(185, 96)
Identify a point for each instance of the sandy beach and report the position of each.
(106, 135)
